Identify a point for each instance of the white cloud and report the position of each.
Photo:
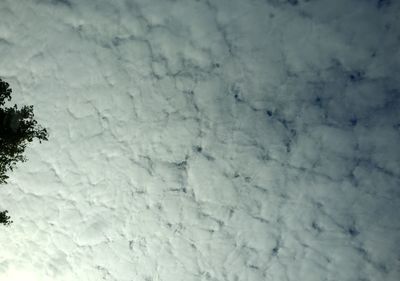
(204, 140)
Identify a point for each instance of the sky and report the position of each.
(204, 140)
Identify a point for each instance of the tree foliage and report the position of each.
(17, 128)
(4, 219)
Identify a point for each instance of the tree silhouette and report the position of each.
(17, 128)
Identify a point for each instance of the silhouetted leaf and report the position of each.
(17, 128)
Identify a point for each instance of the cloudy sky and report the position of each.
(204, 140)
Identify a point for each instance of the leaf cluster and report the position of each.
(4, 218)
(17, 128)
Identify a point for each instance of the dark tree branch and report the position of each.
(17, 128)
